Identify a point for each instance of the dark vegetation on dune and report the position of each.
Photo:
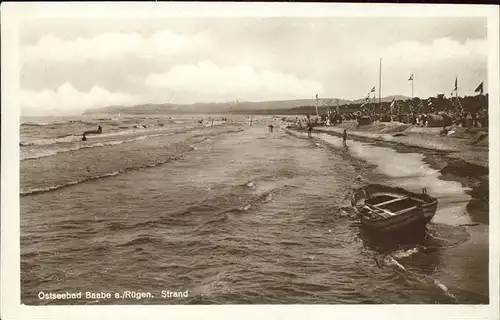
(461, 168)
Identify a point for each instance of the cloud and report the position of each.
(68, 100)
(233, 82)
(223, 60)
(442, 49)
(114, 45)
(435, 65)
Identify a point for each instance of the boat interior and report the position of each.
(386, 205)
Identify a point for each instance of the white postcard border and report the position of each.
(13, 14)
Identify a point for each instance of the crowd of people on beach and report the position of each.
(456, 116)
(446, 118)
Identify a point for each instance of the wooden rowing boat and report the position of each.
(388, 209)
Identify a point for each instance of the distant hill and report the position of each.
(243, 107)
(226, 107)
(384, 99)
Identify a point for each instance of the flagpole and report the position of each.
(380, 82)
(317, 101)
(372, 101)
(482, 102)
(392, 106)
(412, 79)
(480, 99)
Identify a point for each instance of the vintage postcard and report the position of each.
(249, 160)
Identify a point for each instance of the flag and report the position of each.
(456, 87)
(410, 78)
(480, 88)
(373, 89)
(393, 103)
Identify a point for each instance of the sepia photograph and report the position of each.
(251, 158)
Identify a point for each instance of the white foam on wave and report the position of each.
(78, 136)
(47, 153)
(37, 124)
(444, 289)
(405, 253)
(24, 192)
(390, 261)
(49, 141)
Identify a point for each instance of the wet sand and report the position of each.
(460, 145)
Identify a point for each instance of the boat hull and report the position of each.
(412, 220)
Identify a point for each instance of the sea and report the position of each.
(198, 209)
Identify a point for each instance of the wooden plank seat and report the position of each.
(384, 213)
(405, 210)
(391, 201)
(379, 210)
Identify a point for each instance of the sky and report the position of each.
(70, 65)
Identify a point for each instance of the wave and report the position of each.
(49, 141)
(390, 261)
(41, 154)
(48, 153)
(32, 124)
(94, 177)
(57, 123)
(67, 184)
(68, 138)
(252, 203)
(31, 191)
(140, 240)
(97, 121)
(402, 253)
(441, 236)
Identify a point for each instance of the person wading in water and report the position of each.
(344, 138)
(309, 129)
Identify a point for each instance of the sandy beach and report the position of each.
(470, 145)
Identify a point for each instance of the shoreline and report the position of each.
(469, 146)
(452, 167)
